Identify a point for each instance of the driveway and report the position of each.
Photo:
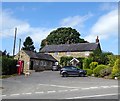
(50, 85)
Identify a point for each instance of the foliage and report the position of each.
(8, 66)
(64, 61)
(105, 72)
(97, 70)
(101, 58)
(86, 63)
(62, 35)
(28, 44)
(93, 65)
(112, 59)
(116, 68)
(89, 72)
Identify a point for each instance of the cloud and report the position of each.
(105, 27)
(75, 21)
(108, 6)
(24, 29)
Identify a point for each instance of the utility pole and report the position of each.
(14, 41)
(19, 47)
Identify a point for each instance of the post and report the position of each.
(14, 41)
(19, 48)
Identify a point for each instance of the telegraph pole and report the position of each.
(19, 48)
(14, 41)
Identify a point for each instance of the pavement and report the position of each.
(50, 85)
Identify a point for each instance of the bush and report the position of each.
(86, 63)
(93, 65)
(64, 61)
(116, 68)
(97, 70)
(9, 66)
(105, 72)
(89, 72)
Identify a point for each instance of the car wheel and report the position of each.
(82, 75)
(64, 74)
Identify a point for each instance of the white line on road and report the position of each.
(26, 93)
(4, 95)
(105, 86)
(92, 96)
(51, 91)
(57, 86)
(62, 90)
(14, 94)
(85, 88)
(74, 89)
(94, 87)
(39, 92)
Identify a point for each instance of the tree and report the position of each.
(62, 35)
(28, 44)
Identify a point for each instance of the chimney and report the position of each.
(97, 40)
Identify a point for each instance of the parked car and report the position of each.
(71, 70)
(56, 68)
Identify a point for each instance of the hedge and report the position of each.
(116, 68)
(89, 72)
(9, 66)
(93, 65)
(105, 72)
(97, 70)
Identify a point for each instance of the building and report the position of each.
(74, 50)
(35, 61)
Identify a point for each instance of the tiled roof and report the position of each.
(70, 47)
(41, 56)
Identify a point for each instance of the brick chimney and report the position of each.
(97, 40)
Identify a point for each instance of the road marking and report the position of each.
(85, 88)
(26, 93)
(92, 96)
(39, 92)
(57, 86)
(51, 91)
(74, 89)
(4, 95)
(14, 94)
(105, 86)
(114, 86)
(62, 90)
(94, 87)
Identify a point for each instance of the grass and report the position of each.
(7, 76)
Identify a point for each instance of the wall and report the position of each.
(23, 56)
(73, 54)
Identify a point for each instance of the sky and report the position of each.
(38, 19)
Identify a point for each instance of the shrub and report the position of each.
(8, 66)
(116, 68)
(105, 72)
(64, 61)
(89, 72)
(97, 70)
(93, 65)
(86, 63)
(112, 59)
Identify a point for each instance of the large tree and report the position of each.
(63, 36)
(28, 44)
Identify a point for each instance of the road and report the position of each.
(50, 85)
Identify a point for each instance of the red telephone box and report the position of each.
(20, 67)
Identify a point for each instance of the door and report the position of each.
(31, 65)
